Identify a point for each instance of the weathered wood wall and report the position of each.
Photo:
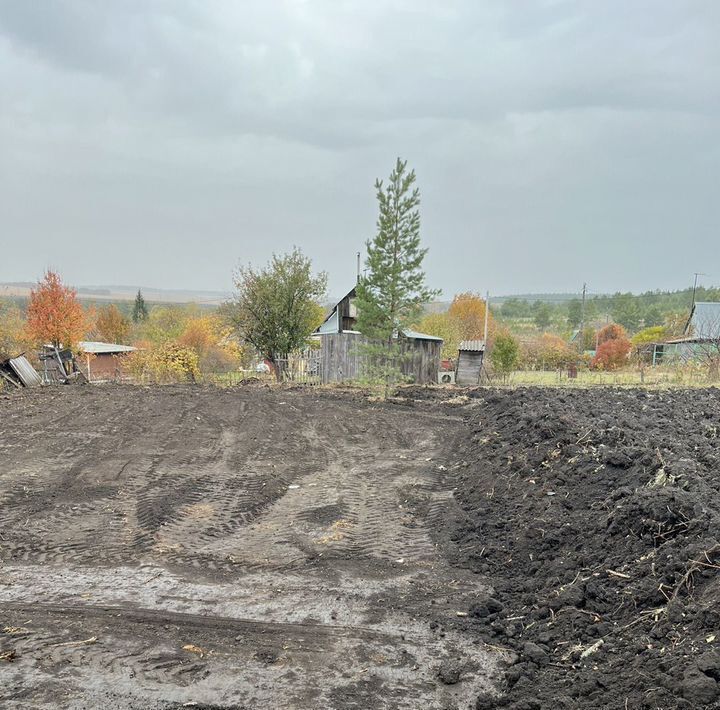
(469, 366)
(341, 361)
(423, 360)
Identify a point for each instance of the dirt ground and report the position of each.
(595, 516)
(526, 549)
(176, 547)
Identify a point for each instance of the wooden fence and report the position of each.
(342, 359)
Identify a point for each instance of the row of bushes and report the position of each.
(611, 346)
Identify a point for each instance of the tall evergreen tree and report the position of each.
(393, 292)
(140, 311)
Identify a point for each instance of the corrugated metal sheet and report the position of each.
(472, 345)
(25, 371)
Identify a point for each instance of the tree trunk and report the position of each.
(278, 365)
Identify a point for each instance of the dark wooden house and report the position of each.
(469, 363)
(343, 316)
(342, 361)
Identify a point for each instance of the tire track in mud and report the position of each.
(286, 535)
(365, 487)
(184, 476)
(197, 489)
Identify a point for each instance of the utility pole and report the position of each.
(692, 305)
(582, 312)
(487, 314)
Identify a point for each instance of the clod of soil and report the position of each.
(450, 673)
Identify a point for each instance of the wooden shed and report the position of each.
(104, 361)
(469, 363)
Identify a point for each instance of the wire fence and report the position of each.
(304, 369)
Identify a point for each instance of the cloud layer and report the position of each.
(555, 142)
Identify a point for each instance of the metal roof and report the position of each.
(472, 345)
(705, 320)
(96, 348)
(329, 325)
(677, 341)
(415, 335)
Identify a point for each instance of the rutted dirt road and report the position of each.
(251, 548)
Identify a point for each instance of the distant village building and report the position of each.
(341, 360)
(468, 370)
(701, 331)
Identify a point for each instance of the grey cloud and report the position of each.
(547, 126)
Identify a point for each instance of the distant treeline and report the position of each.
(633, 311)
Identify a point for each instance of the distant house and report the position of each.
(103, 361)
(702, 330)
(341, 360)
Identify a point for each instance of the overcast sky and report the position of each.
(158, 142)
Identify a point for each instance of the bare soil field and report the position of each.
(173, 547)
(246, 548)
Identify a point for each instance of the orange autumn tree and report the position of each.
(54, 314)
(612, 354)
(612, 331)
(468, 311)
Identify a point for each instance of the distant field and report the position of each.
(125, 293)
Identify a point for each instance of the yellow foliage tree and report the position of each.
(442, 325)
(13, 336)
(200, 334)
(468, 310)
(548, 352)
(111, 325)
(653, 334)
(164, 363)
(213, 341)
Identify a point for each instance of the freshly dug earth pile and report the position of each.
(595, 516)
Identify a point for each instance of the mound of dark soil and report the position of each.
(595, 515)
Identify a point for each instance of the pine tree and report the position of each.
(393, 292)
(574, 312)
(140, 311)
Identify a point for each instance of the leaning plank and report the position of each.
(10, 379)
